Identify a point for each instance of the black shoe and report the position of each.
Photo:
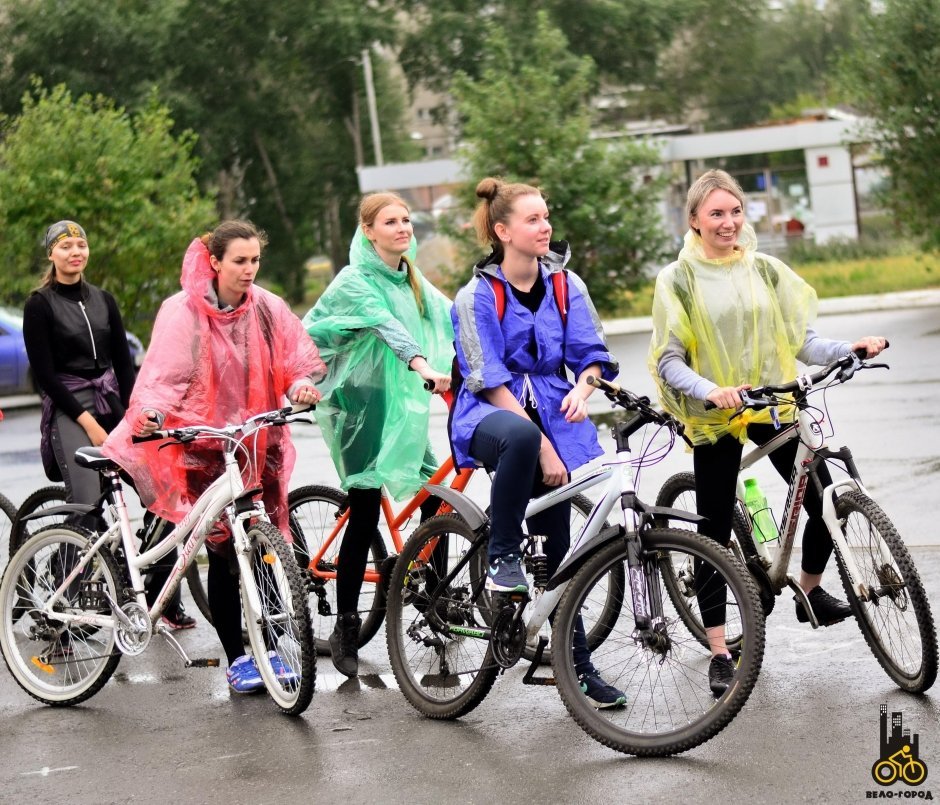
(176, 618)
(720, 674)
(344, 643)
(827, 608)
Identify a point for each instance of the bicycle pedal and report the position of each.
(206, 662)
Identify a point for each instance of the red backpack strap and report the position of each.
(560, 287)
(499, 291)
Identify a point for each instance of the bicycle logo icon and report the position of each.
(899, 759)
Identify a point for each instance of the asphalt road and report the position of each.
(159, 733)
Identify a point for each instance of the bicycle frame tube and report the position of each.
(393, 522)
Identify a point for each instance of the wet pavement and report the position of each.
(159, 733)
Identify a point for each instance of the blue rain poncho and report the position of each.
(374, 412)
(741, 319)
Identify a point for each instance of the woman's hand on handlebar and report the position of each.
(871, 344)
(727, 396)
(148, 420)
(305, 395)
(554, 472)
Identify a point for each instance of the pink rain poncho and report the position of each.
(207, 366)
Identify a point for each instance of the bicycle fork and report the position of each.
(645, 593)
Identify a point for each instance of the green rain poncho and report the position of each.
(742, 319)
(374, 412)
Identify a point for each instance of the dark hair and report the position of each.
(218, 239)
(498, 198)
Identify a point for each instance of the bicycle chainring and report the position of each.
(133, 639)
(507, 637)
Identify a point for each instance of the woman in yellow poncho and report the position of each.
(382, 330)
(726, 318)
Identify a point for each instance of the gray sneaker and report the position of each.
(504, 575)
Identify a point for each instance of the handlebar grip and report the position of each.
(156, 436)
(710, 406)
(429, 385)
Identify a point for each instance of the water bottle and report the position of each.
(765, 529)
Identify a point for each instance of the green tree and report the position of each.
(893, 77)
(527, 118)
(125, 178)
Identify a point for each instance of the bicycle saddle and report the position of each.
(92, 458)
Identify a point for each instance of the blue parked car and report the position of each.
(15, 374)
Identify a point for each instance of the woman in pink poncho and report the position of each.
(222, 350)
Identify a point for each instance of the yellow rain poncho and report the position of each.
(374, 412)
(742, 319)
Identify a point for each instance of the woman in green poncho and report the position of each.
(726, 318)
(382, 330)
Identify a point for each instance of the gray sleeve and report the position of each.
(818, 351)
(398, 340)
(675, 371)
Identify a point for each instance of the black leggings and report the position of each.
(716, 473)
(225, 602)
(364, 510)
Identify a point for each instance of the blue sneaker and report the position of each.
(243, 675)
(599, 693)
(504, 575)
(282, 670)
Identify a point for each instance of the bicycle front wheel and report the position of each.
(443, 673)
(670, 707)
(280, 636)
(54, 662)
(896, 619)
(314, 511)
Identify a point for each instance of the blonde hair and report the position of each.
(704, 186)
(369, 209)
(497, 200)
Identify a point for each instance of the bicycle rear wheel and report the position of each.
(314, 511)
(44, 498)
(280, 635)
(896, 620)
(53, 662)
(442, 674)
(679, 493)
(670, 707)
(7, 519)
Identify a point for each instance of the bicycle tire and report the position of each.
(313, 511)
(670, 707)
(77, 661)
(43, 498)
(601, 615)
(898, 626)
(7, 521)
(443, 676)
(679, 493)
(198, 588)
(283, 625)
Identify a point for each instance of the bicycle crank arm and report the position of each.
(208, 662)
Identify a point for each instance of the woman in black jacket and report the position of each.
(78, 352)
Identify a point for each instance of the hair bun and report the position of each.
(488, 188)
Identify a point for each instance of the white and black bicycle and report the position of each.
(72, 601)
(877, 572)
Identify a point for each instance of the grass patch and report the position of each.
(870, 275)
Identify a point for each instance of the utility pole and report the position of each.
(373, 109)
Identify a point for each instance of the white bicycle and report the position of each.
(449, 638)
(72, 602)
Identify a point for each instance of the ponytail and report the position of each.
(497, 199)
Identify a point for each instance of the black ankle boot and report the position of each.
(344, 643)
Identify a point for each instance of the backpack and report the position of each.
(560, 289)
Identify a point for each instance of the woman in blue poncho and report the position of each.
(382, 330)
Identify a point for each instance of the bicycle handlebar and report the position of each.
(187, 433)
(632, 402)
(766, 396)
